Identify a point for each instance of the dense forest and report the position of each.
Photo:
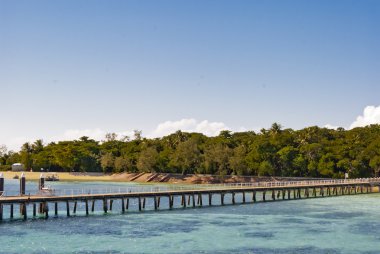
(312, 152)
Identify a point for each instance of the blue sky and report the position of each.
(77, 67)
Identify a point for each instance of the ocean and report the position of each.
(347, 224)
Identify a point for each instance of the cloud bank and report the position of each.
(371, 115)
(97, 134)
(188, 125)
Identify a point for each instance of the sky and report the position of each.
(70, 68)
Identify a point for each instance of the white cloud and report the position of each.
(371, 115)
(72, 134)
(329, 126)
(188, 125)
(162, 129)
(96, 134)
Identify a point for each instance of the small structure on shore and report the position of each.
(17, 167)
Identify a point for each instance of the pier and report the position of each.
(45, 202)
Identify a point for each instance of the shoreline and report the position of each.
(165, 178)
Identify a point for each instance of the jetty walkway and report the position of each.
(46, 202)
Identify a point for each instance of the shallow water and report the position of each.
(345, 224)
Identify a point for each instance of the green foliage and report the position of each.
(312, 152)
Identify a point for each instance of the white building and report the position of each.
(17, 167)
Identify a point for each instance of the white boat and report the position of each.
(47, 191)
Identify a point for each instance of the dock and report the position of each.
(43, 204)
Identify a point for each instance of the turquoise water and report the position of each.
(345, 224)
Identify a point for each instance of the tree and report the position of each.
(237, 161)
(266, 169)
(37, 146)
(275, 129)
(26, 155)
(3, 154)
(216, 159)
(137, 135)
(111, 137)
(187, 156)
(122, 164)
(107, 162)
(147, 160)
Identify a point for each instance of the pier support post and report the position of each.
(24, 211)
(111, 204)
(273, 195)
(56, 208)
(243, 197)
(254, 196)
(41, 182)
(86, 207)
(264, 196)
(283, 194)
(155, 202)
(1, 211)
(171, 201)
(143, 205)
(68, 208)
(294, 194)
(278, 194)
(11, 211)
(183, 201)
(22, 184)
(200, 201)
(1, 183)
(105, 208)
(93, 206)
(139, 203)
(233, 198)
(158, 201)
(299, 193)
(75, 207)
(222, 198)
(122, 205)
(21, 207)
(188, 200)
(193, 196)
(210, 199)
(289, 193)
(46, 210)
(34, 209)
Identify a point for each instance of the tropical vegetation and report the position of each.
(311, 152)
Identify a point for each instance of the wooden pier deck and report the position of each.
(184, 196)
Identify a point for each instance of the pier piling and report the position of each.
(122, 205)
(86, 201)
(68, 208)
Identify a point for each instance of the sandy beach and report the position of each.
(148, 177)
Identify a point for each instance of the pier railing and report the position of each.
(165, 188)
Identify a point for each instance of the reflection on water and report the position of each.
(346, 224)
